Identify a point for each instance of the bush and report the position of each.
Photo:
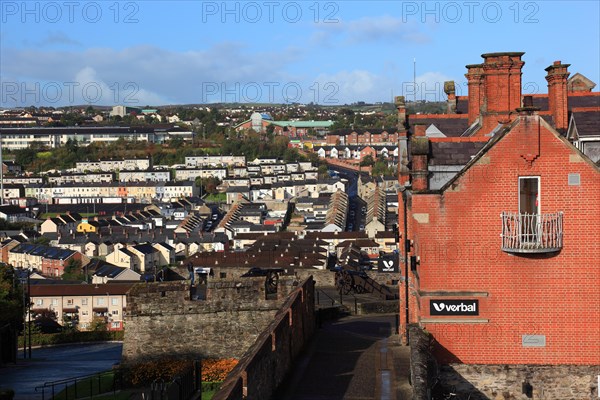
(7, 394)
(71, 336)
(214, 370)
(144, 374)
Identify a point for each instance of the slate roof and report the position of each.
(583, 101)
(145, 248)
(451, 127)
(453, 153)
(587, 123)
(81, 290)
(109, 271)
(373, 131)
(591, 100)
(55, 253)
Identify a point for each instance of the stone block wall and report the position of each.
(162, 321)
(507, 382)
(263, 368)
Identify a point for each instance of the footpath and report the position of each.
(352, 358)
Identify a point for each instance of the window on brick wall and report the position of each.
(529, 208)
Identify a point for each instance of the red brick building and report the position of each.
(503, 260)
(363, 137)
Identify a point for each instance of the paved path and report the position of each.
(59, 362)
(354, 358)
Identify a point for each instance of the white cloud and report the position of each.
(147, 73)
(368, 29)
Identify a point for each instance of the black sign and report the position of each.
(454, 307)
(388, 263)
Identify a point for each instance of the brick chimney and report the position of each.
(475, 81)
(450, 91)
(557, 93)
(403, 172)
(502, 88)
(495, 89)
(419, 145)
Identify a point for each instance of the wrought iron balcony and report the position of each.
(531, 233)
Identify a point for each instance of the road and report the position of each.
(55, 363)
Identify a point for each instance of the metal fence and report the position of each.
(182, 387)
(86, 386)
(532, 232)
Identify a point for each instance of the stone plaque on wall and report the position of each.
(533, 340)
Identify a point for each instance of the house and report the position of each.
(122, 257)
(502, 259)
(110, 273)
(50, 261)
(14, 214)
(10, 167)
(78, 305)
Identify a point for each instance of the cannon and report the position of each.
(271, 277)
(348, 280)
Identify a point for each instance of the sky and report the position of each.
(138, 53)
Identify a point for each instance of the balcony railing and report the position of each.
(531, 233)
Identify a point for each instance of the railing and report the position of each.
(88, 386)
(531, 233)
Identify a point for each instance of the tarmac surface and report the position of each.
(54, 363)
(353, 358)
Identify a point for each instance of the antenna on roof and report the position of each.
(415, 80)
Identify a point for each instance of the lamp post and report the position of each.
(27, 309)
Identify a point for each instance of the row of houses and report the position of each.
(284, 190)
(139, 192)
(358, 152)
(363, 137)
(53, 137)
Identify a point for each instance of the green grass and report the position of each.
(209, 389)
(124, 395)
(44, 154)
(52, 215)
(216, 198)
(95, 385)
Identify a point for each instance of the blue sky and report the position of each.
(328, 52)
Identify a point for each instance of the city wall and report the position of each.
(162, 320)
(264, 367)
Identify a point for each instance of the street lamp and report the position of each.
(27, 309)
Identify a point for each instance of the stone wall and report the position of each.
(162, 321)
(264, 367)
(495, 382)
(322, 277)
(507, 382)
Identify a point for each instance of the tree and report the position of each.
(98, 324)
(11, 294)
(367, 160)
(322, 170)
(382, 168)
(73, 271)
(208, 185)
